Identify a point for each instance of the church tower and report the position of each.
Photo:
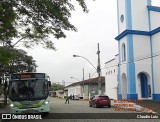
(134, 43)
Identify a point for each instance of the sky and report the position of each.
(97, 26)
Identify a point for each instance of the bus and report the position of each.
(28, 93)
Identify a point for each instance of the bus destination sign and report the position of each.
(27, 75)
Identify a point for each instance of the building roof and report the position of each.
(88, 81)
(110, 60)
(116, 54)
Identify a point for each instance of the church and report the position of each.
(138, 62)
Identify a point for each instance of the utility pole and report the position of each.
(89, 87)
(99, 71)
(83, 83)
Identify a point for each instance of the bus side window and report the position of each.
(49, 83)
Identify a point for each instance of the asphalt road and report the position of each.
(64, 113)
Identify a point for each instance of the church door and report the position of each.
(144, 85)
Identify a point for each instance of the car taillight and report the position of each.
(99, 98)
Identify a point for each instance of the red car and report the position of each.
(99, 101)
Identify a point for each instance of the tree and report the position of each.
(55, 87)
(15, 60)
(34, 20)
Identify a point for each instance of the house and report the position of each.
(74, 89)
(87, 88)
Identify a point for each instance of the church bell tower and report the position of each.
(133, 25)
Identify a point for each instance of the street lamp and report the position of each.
(86, 59)
(98, 69)
(74, 78)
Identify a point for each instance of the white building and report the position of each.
(139, 50)
(85, 89)
(75, 89)
(111, 78)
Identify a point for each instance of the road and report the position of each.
(59, 108)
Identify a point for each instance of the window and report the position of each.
(122, 18)
(123, 52)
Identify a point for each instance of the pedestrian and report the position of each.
(73, 96)
(67, 99)
(70, 97)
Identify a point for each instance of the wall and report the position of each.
(120, 12)
(155, 18)
(139, 15)
(156, 59)
(111, 78)
(75, 90)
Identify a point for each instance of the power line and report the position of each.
(137, 59)
(93, 74)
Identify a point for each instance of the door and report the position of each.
(144, 85)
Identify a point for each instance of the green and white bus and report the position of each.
(28, 93)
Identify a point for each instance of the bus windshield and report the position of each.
(28, 89)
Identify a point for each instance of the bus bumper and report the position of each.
(42, 109)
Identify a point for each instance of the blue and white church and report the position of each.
(139, 50)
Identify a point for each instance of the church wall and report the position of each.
(122, 11)
(141, 47)
(142, 21)
(156, 43)
(157, 74)
(139, 15)
(142, 66)
(155, 18)
(123, 41)
(123, 64)
(142, 53)
(123, 70)
(156, 60)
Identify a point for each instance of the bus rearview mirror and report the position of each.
(49, 82)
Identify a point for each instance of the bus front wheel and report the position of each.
(45, 113)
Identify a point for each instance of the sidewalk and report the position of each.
(150, 104)
(145, 106)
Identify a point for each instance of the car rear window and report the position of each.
(104, 97)
(96, 97)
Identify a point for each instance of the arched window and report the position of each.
(123, 52)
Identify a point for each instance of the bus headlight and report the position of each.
(11, 105)
(46, 102)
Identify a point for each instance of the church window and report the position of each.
(122, 18)
(123, 52)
